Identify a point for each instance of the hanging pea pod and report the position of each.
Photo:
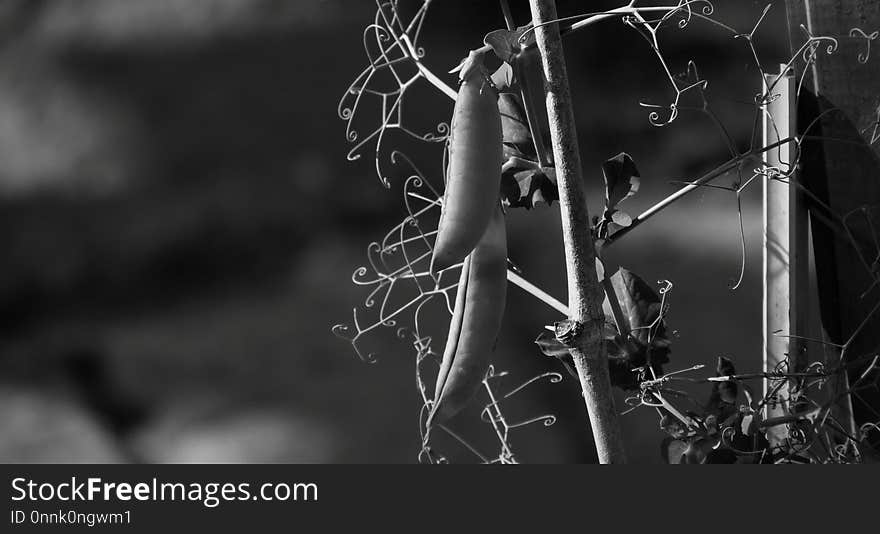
(479, 309)
(474, 171)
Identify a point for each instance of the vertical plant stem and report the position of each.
(585, 293)
(525, 92)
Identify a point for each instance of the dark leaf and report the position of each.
(621, 182)
(721, 455)
(515, 131)
(697, 451)
(724, 367)
(622, 373)
(722, 399)
(551, 346)
(673, 426)
(711, 424)
(740, 441)
(639, 302)
(646, 344)
(727, 390)
(621, 179)
(643, 346)
(525, 184)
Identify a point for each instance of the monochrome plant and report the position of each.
(512, 143)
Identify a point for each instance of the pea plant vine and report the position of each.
(511, 145)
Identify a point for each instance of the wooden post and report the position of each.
(838, 99)
(785, 253)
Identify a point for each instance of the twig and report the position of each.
(703, 181)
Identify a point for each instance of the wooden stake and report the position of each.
(785, 254)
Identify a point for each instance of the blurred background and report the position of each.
(180, 226)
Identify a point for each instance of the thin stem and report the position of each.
(715, 173)
(536, 292)
(584, 291)
(508, 16)
(525, 92)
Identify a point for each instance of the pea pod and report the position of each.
(474, 170)
(479, 309)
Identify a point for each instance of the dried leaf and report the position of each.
(471, 66)
(621, 218)
(747, 426)
(600, 269)
(503, 78)
(506, 43)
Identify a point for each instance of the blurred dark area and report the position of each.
(180, 224)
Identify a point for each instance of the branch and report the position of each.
(583, 333)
